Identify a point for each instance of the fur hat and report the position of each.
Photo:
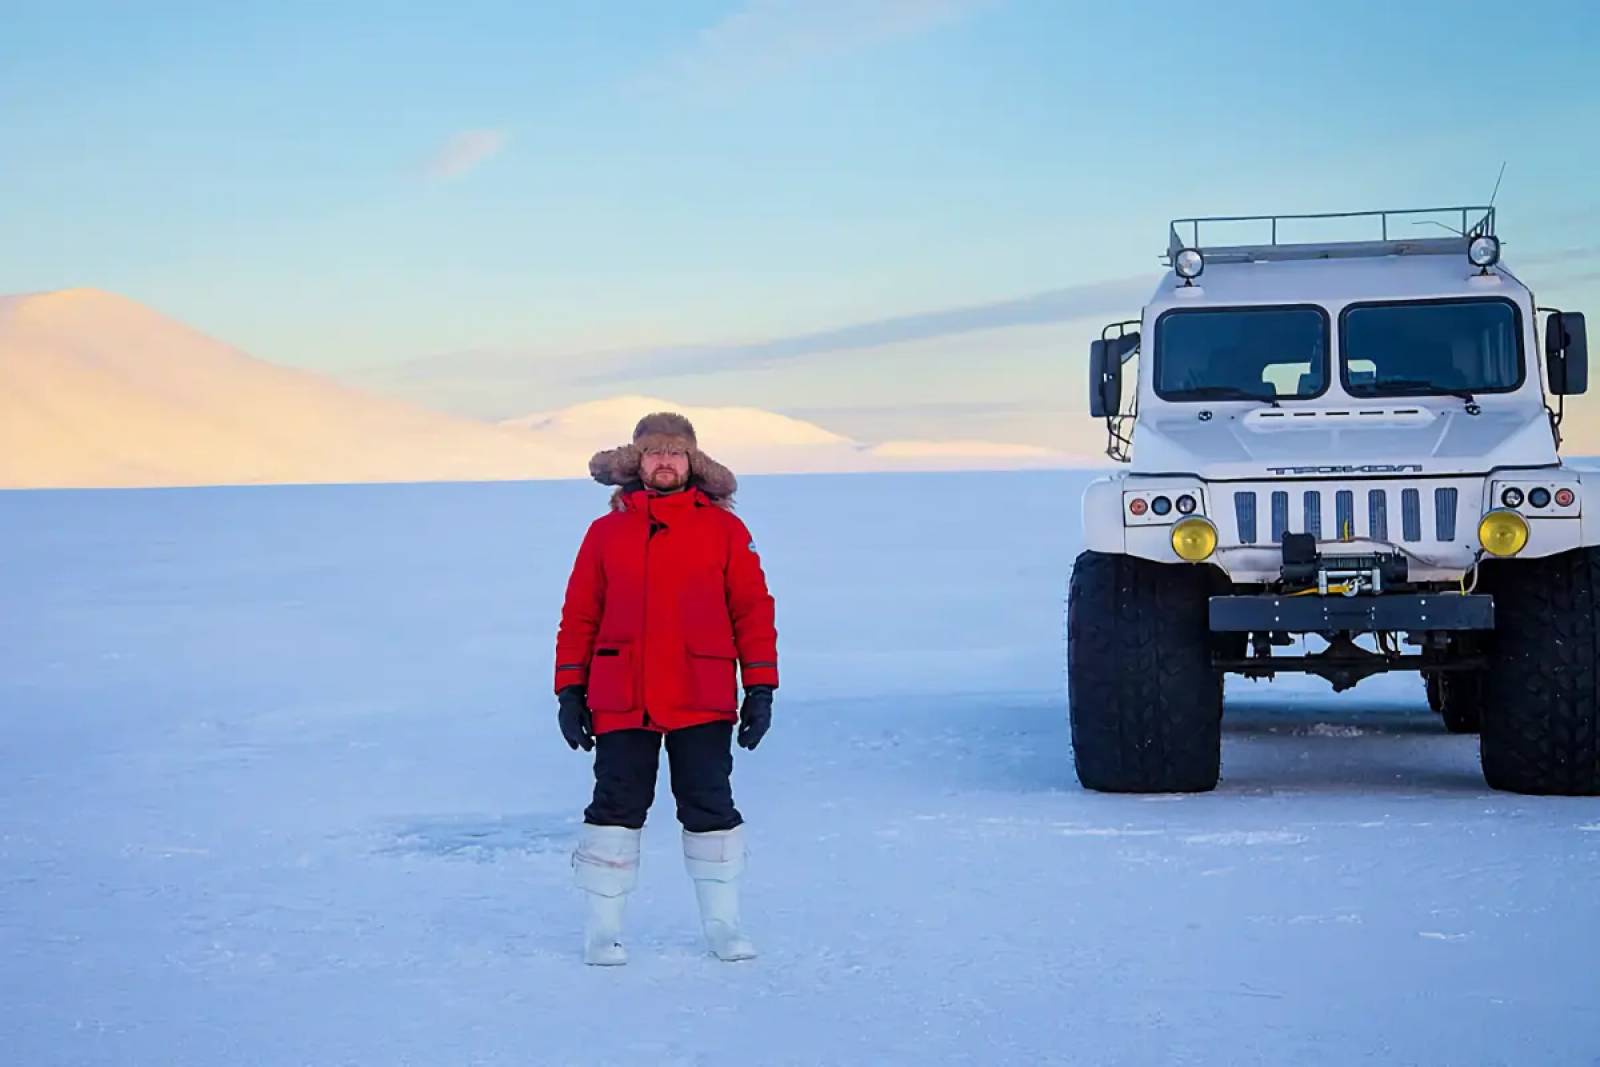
(663, 429)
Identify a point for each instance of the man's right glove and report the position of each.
(577, 725)
(755, 716)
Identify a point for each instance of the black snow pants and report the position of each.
(701, 763)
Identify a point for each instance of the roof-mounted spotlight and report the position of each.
(1483, 252)
(1189, 264)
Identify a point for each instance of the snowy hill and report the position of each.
(97, 390)
(754, 441)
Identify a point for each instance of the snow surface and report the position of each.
(280, 783)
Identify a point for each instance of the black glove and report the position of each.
(755, 717)
(577, 726)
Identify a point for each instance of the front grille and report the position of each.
(1330, 514)
(1378, 514)
(1445, 502)
(1344, 510)
(1411, 514)
(1280, 516)
(1244, 510)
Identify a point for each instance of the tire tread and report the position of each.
(1146, 704)
(1541, 721)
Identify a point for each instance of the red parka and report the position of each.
(666, 595)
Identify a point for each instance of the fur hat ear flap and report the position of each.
(714, 480)
(616, 466)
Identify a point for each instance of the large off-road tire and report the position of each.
(1461, 698)
(1541, 718)
(1146, 702)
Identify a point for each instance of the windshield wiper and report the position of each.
(1225, 392)
(1417, 385)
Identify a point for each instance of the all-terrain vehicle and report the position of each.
(1347, 448)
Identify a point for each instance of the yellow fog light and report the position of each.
(1194, 539)
(1503, 533)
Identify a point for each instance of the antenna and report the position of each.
(1442, 226)
(1496, 192)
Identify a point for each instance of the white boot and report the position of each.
(606, 867)
(715, 861)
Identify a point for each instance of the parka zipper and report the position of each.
(644, 609)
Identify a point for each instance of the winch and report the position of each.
(1304, 568)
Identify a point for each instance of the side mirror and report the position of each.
(1105, 379)
(1566, 353)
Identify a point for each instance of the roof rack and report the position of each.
(1386, 245)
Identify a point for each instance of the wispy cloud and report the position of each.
(505, 382)
(508, 366)
(763, 39)
(463, 153)
(1054, 305)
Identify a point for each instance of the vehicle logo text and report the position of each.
(1346, 468)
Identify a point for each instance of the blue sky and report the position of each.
(342, 187)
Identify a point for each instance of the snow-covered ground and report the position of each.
(280, 783)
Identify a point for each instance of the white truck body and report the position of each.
(1436, 462)
(1342, 459)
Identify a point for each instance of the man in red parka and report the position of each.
(666, 603)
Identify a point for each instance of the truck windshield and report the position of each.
(1441, 348)
(1266, 354)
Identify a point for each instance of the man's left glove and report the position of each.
(577, 725)
(755, 716)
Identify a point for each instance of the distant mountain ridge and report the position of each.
(97, 390)
(753, 440)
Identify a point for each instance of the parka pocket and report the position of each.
(713, 684)
(708, 640)
(611, 678)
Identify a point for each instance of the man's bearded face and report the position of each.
(664, 469)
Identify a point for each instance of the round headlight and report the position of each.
(1186, 505)
(1539, 498)
(1190, 263)
(1484, 251)
(1503, 533)
(1194, 539)
(1512, 497)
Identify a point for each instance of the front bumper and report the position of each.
(1357, 614)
